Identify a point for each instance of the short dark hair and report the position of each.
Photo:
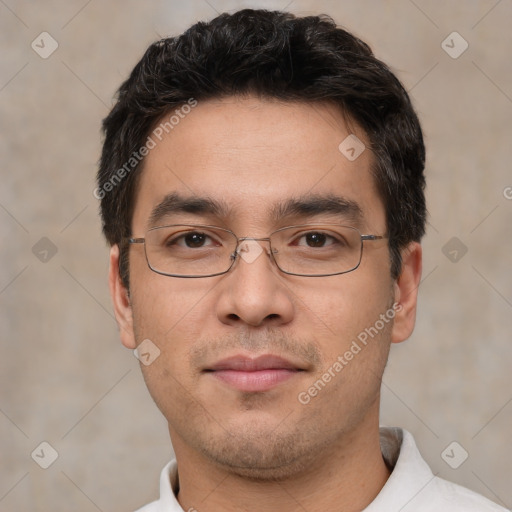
(270, 54)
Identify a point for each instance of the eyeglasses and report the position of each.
(189, 250)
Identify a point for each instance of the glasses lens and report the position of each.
(317, 250)
(188, 250)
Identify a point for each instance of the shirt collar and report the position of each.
(410, 474)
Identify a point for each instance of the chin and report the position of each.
(258, 452)
(252, 464)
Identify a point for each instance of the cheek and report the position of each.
(170, 316)
(164, 306)
(170, 312)
(354, 343)
(341, 307)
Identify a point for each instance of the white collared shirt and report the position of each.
(412, 487)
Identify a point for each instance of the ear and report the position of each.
(406, 293)
(121, 301)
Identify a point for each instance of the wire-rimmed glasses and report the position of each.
(309, 250)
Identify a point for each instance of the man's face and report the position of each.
(252, 156)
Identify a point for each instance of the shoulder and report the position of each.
(168, 490)
(412, 487)
(150, 507)
(456, 498)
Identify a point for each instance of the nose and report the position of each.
(254, 291)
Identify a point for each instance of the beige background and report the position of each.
(64, 376)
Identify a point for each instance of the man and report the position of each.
(261, 186)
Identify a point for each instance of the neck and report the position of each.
(351, 473)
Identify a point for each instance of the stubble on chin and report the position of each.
(263, 455)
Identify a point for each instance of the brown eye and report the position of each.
(190, 240)
(315, 239)
(194, 239)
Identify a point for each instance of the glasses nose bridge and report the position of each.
(240, 240)
(244, 238)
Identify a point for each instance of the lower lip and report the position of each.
(260, 380)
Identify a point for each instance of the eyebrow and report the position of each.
(176, 203)
(304, 206)
(317, 204)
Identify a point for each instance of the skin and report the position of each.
(266, 451)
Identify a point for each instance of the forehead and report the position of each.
(253, 156)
